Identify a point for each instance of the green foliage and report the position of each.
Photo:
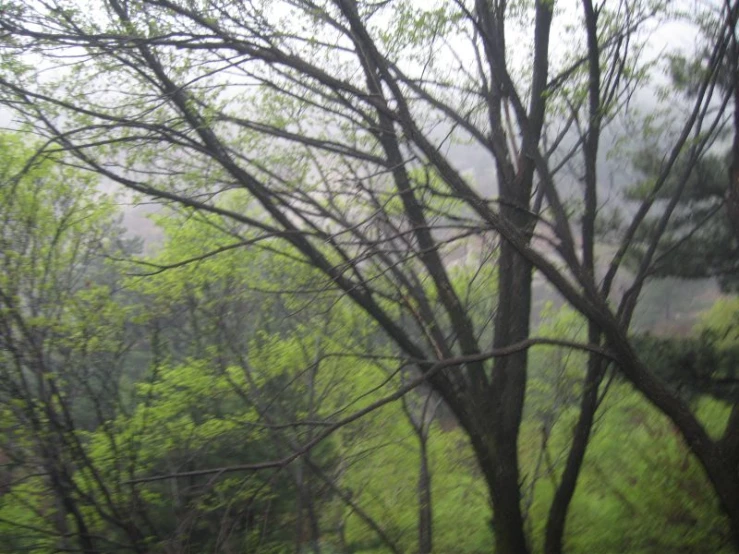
(26, 518)
(64, 320)
(227, 361)
(187, 418)
(720, 324)
(703, 364)
(628, 501)
(640, 489)
(382, 471)
(556, 372)
(699, 240)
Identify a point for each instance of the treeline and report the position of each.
(154, 406)
(338, 300)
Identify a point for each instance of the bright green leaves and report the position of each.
(410, 26)
(56, 231)
(631, 497)
(181, 409)
(27, 519)
(721, 323)
(556, 373)
(64, 325)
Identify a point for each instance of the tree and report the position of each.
(63, 343)
(700, 239)
(342, 151)
(259, 369)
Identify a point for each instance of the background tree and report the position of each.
(345, 172)
(226, 368)
(63, 344)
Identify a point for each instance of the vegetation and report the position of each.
(332, 348)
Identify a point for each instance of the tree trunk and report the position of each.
(732, 197)
(494, 430)
(724, 476)
(310, 507)
(507, 521)
(559, 508)
(425, 522)
(299, 496)
(501, 477)
(70, 507)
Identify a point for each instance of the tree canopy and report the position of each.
(329, 264)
